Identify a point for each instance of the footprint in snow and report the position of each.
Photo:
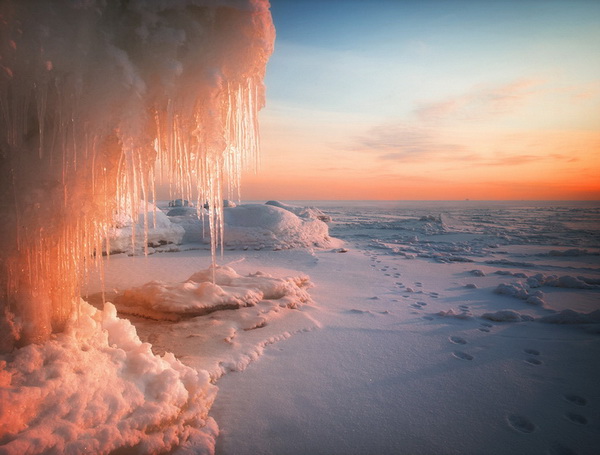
(485, 327)
(457, 340)
(532, 360)
(463, 307)
(576, 418)
(356, 311)
(521, 423)
(576, 399)
(462, 355)
(428, 318)
(559, 449)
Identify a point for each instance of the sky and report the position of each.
(431, 100)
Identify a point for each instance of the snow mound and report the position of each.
(312, 213)
(506, 316)
(572, 317)
(199, 295)
(456, 314)
(269, 226)
(521, 291)
(133, 238)
(258, 226)
(97, 388)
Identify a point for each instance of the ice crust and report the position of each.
(211, 290)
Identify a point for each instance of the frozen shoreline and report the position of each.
(401, 347)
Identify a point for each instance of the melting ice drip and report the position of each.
(92, 95)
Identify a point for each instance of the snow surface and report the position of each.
(392, 353)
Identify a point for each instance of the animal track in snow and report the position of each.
(532, 351)
(576, 418)
(576, 399)
(462, 355)
(521, 423)
(457, 340)
(485, 327)
(533, 361)
(357, 311)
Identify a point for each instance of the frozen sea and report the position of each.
(427, 328)
(447, 328)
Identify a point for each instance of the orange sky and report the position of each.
(448, 104)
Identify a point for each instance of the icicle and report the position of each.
(83, 122)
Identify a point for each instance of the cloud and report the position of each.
(480, 103)
(406, 142)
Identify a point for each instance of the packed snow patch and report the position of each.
(97, 388)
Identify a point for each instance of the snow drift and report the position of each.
(259, 226)
(96, 388)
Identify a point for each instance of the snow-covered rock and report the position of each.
(152, 229)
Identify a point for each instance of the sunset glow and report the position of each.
(431, 100)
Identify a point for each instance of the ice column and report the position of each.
(92, 94)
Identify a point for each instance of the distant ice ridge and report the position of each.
(302, 212)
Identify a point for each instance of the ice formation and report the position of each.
(257, 226)
(200, 295)
(96, 388)
(92, 95)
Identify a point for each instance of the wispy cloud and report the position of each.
(480, 102)
(406, 142)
